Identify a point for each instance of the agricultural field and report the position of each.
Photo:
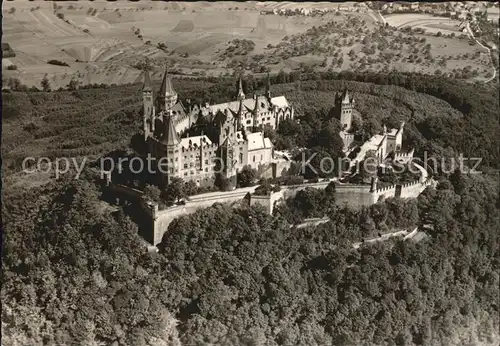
(106, 42)
(430, 24)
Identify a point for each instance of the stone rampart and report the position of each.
(412, 190)
(353, 196)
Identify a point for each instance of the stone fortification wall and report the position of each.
(385, 192)
(164, 217)
(353, 196)
(413, 190)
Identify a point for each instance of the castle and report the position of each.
(238, 141)
(379, 145)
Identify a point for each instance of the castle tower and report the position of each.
(241, 94)
(171, 144)
(239, 116)
(344, 106)
(268, 88)
(227, 155)
(167, 96)
(255, 114)
(148, 106)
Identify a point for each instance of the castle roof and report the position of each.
(178, 110)
(279, 101)
(227, 142)
(372, 144)
(392, 132)
(345, 97)
(256, 141)
(249, 104)
(170, 136)
(147, 86)
(166, 87)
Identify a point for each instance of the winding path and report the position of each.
(471, 34)
(405, 233)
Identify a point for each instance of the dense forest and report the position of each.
(76, 272)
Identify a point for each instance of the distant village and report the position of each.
(454, 9)
(342, 7)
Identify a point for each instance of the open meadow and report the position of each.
(103, 42)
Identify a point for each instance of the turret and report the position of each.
(239, 116)
(148, 106)
(227, 155)
(169, 138)
(241, 94)
(255, 113)
(167, 96)
(344, 105)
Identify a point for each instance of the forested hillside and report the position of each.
(75, 271)
(444, 117)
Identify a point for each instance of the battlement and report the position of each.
(386, 188)
(416, 182)
(404, 154)
(195, 148)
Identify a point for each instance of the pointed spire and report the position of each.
(241, 94)
(166, 87)
(345, 96)
(147, 86)
(170, 135)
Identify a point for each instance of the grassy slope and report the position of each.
(106, 47)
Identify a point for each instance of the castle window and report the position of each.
(176, 159)
(206, 162)
(254, 158)
(192, 172)
(185, 166)
(263, 119)
(171, 170)
(206, 169)
(185, 174)
(170, 152)
(249, 121)
(268, 118)
(261, 158)
(262, 105)
(190, 164)
(241, 157)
